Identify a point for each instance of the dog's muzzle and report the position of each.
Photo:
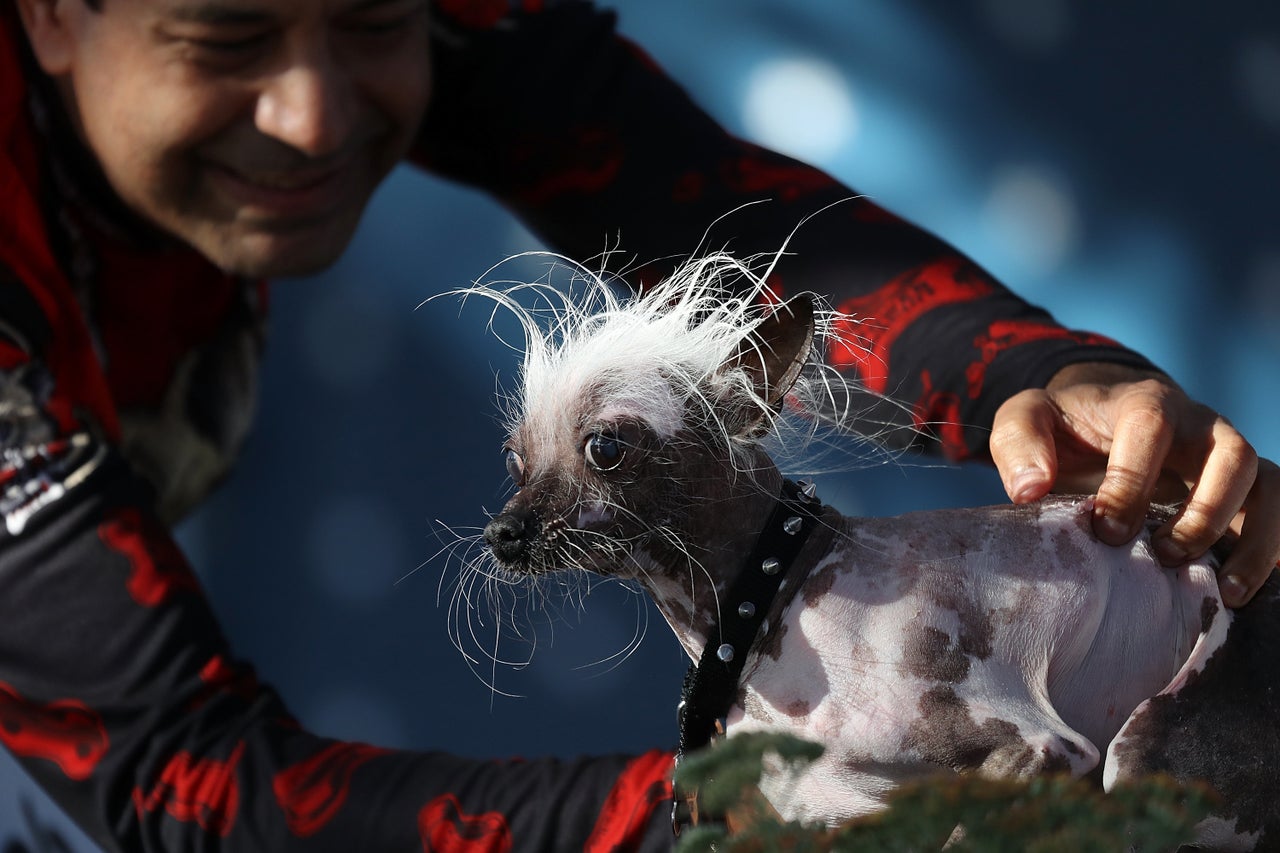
(509, 536)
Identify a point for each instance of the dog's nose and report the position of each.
(506, 537)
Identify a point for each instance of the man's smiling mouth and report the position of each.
(292, 193)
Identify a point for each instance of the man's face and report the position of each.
(255, 130)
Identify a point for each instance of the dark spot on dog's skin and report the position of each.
(1055, 763)
(1022, 760)
(771, 643)
(678, 612)
(929, 653)
(753, 708)
(1067, 544)
(976, 630)
(819, 583)
(947, 735)
(1208, 610)
(1219, 727)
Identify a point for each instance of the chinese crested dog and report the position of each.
(1001, 640)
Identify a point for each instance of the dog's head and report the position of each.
(638, 423)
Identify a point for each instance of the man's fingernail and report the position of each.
(1111, 529)
(1233, 590)
(1026, 485)
(1170, 552)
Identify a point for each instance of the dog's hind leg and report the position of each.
(1218, 721)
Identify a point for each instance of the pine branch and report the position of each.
(1049, 813)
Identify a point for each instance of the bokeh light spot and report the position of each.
(1032, 217)
(802, 107)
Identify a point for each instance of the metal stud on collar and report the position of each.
(709, 689)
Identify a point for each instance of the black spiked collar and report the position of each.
(711, 686)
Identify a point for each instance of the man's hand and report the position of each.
(1132, 436)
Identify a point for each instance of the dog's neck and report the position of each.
(691, 588)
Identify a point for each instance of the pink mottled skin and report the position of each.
(1018, 613)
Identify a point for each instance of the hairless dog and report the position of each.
(1000, 640)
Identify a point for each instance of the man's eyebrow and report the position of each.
(366, 5)
(216, 14)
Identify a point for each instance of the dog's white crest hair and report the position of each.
(663, 356)
(592, 349)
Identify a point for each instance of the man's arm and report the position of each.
(579, 133)
(576, 130)
(121, 697)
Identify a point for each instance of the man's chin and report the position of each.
(266, 254)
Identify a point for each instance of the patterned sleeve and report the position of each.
(575, 129)
(120, 696)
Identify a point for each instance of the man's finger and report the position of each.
(1256, 554)
(1022, 445)
(1221, 485)
(1141, 441)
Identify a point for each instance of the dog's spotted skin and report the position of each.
(998, 640)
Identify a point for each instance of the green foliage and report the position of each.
(732, 768)
(1048, 813)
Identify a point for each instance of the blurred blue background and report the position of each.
(1116, 163)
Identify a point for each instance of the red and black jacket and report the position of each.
(123, 398)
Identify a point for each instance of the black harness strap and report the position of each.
(711, 686)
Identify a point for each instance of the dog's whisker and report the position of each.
(619, 657)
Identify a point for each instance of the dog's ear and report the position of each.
(774, 354)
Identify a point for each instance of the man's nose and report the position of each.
(309, 106)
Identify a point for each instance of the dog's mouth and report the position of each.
(532, 543)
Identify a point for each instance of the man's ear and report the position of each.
(775, 352)
(48, 26)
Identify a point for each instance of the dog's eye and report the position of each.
(603, 451)
(515, 466)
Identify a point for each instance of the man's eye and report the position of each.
(226, 40)
(603, 451)
(243, 45)
(229, 51)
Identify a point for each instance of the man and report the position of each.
(162, 156)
